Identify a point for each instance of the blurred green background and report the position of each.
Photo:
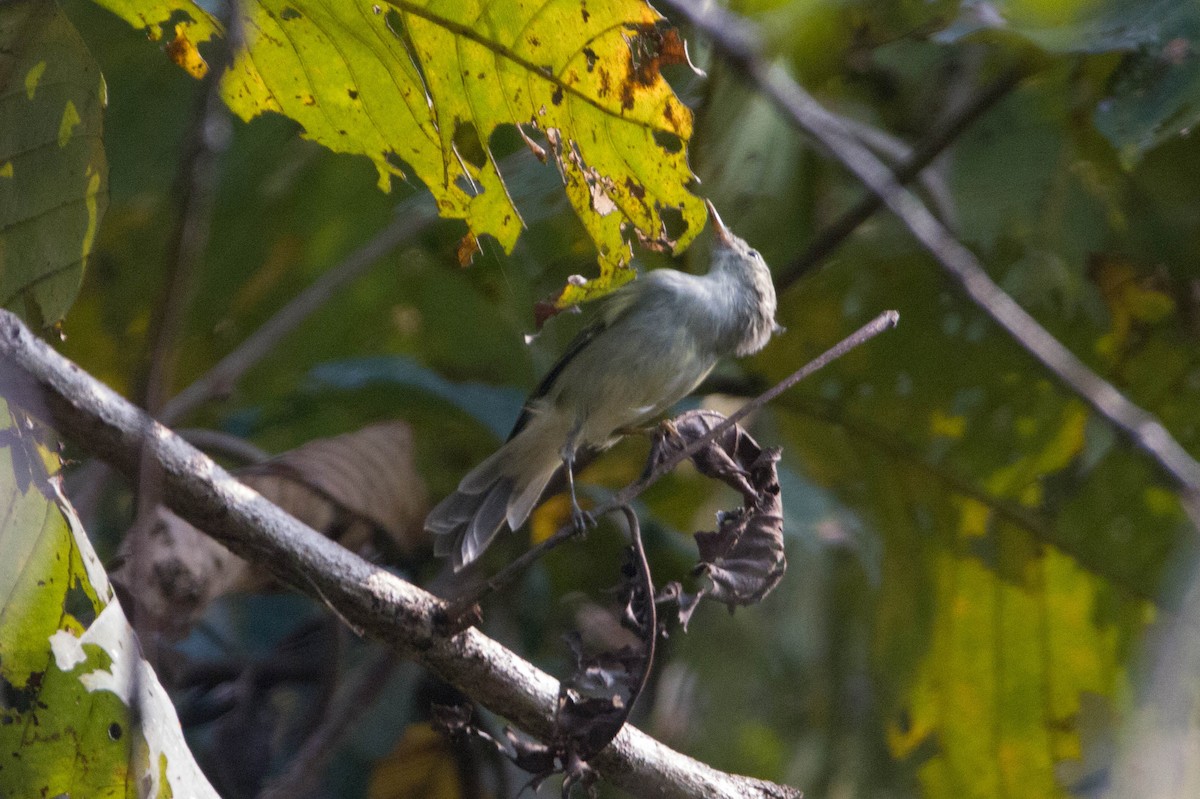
(978, 566)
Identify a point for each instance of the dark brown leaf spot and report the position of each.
(289, 13)
(184, 53)
(544, 310)
(557, 97)
(468, 245)
(591, 57)
(651, 47)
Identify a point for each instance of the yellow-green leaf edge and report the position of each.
(406, 83)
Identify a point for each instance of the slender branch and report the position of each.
(461, 606)
(211, 131)
(222, 443)
(650, 623)
(740, 43)
(413, 216)
(302, 774)
(960, 120)
(385, 607)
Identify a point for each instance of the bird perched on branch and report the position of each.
(651, 343)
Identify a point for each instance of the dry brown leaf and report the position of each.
(351, 487)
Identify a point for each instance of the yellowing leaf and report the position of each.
(998, 697)
(183, 52)
(422, 766)
(423, 86)
(69, 655)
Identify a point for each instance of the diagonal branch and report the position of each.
(960, 119)
(412, 217)
(385, 607)
(739, 42)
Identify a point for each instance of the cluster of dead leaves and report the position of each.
(739, 564)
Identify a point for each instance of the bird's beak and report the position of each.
(722, 234)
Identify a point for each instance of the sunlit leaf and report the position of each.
(427, 85)
(53, 174)
(69, 656)
(1004, 603)
(1155, 92)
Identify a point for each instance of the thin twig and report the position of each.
(651, 622)
(960, 120)
(221, 443)
(309, 762)
(209, 137)
(879, 324)
(738, 41)
(208, 140)
(413, 216)
(87, 412)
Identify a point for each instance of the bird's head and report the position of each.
(743, 264)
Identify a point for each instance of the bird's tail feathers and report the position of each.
(503, 489)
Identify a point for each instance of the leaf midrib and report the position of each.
(466, 32)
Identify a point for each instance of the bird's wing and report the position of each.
(577, 345)
(612, 308)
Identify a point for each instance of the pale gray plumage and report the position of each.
(651, 344)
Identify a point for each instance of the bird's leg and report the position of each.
(579, 517)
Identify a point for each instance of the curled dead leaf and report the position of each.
(743, 559)
(351, 486)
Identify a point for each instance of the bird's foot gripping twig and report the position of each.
(581, 519)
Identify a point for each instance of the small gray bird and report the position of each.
(651, 344)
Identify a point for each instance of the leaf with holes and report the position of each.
(69, 656)
(425, 85)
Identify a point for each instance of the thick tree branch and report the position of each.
(738, 41)
(382, 605)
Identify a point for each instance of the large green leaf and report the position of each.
(67, 655)
(53, 173)
(427, 85)
(1154, 94)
